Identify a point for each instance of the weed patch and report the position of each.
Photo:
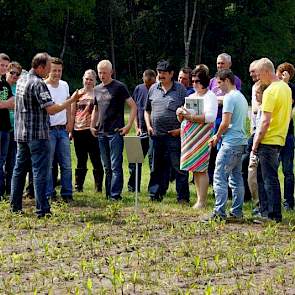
(94, 246)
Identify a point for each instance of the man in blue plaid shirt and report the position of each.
(33, 107)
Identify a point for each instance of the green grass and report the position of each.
(94, 246)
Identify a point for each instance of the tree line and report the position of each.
(135, 34)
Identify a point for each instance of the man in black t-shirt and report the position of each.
(6, 103)
(107, 123)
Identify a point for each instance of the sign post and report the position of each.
(134, 155)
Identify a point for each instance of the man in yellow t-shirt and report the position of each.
(277, 100)
(276, 113)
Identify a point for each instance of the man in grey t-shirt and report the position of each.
(162, 125)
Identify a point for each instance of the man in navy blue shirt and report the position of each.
(163, 100)
(140, 96)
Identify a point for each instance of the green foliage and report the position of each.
(144, 32)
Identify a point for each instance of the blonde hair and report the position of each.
(265, 64)
(105, 63)
(92, 73)
(14, 64)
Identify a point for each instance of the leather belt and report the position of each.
(57, 127)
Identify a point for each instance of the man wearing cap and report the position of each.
(163, 100)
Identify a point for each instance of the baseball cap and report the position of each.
(164, 65)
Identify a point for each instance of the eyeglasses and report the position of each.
(196, 81)
(14, 73)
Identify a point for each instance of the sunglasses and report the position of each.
(14, 73)
(196, 81)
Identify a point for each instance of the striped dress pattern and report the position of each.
(195, 149)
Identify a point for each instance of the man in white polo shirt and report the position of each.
(59, 137)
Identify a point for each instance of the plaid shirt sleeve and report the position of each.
(42, 94)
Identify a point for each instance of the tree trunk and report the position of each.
(201, 41)
(112, 43)
(186, 47)
(133, 40)
(65, 34)
(187, 31)
(201, 27)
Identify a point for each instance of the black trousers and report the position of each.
(86, 144)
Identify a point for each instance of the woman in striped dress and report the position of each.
(197, 118)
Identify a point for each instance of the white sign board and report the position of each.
(133, 149)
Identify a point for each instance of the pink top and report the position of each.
(84, 108)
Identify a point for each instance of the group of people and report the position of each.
(46, 118)
(194, 125)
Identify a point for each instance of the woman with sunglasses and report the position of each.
(14, 70)
(197, 117)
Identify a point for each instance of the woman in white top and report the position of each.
(197, 119)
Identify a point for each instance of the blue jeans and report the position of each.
(268, 181)
(111, 152)
(10, 162)
(37, 152)
(4, 143)
(60, 147)
(166, 154)
(287, 158)
(228, 172)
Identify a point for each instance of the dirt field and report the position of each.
(97, 247)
